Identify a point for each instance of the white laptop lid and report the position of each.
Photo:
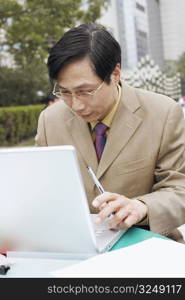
(42, 197)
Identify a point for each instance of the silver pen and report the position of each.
(96, 181)
(98, 185)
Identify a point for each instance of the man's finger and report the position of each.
(110, 208)
(105, 197)
(121, 215)
(129, 221)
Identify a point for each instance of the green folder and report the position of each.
(133, 236)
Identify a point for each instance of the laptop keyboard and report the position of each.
(104, 236)
(100, 229)
(99, 232)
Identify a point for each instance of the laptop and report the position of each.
(43, 205)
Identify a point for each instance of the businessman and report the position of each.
(134, 140)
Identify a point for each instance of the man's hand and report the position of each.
(126, 212)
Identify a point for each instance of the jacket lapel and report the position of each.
(83, 140)
(123, 128)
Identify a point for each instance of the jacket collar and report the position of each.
(123, 127)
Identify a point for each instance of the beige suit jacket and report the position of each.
(144, 155)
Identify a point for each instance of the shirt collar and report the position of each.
(109, 118)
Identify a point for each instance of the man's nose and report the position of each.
(77, 105)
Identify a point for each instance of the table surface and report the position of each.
(35, 268)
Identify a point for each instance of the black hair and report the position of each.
(47, 99)
(91, 40)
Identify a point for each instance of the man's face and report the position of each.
(79, 77)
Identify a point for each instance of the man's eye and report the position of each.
(84, 92)
(64, 92)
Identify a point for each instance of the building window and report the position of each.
(142, 43)
(140, 7)
(142, 34)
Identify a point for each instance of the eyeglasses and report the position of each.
(81, 95)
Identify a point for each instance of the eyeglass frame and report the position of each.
(73, 94)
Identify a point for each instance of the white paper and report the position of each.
(154, 257)
(3, 260)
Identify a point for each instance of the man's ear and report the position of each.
(116, 74)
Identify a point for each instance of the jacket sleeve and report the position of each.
(166, 202)
(40, 138)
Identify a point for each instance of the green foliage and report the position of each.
(170, 67)
(20, 86)
(18, 123)
(9, 9)
(31, 27)
(94, 10)
(38, 22)
(181, 70)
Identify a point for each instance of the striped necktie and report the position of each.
(100, 138)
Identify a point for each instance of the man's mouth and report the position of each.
(85, 115)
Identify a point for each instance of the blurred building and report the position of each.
(167, 29)
(154, 27)
(173, 28)
(130, 25)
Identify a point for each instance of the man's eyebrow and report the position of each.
(83, 85)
